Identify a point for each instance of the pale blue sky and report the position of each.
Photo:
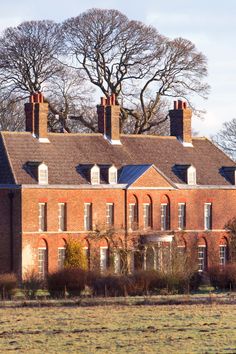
(211, 25)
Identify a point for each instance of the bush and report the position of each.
(75, 256)
(31, 283)
(223, 277)
(71, 280)
(8, 285)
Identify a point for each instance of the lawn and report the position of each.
(119, 329)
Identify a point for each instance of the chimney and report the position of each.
(36, 112)
(180, 122)
(109, 119)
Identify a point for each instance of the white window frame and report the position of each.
(207, 216)
(110, 214)
(191, 175)
(103, 259)
(43, 174)
(165, 217)
(87, 216)
(112, 175)
(181, 216)
(61, 216)
(42, 217)
(147, 215)
(202, 258)
(95, 175)
(42, 262)
(223, 254)
(133, 214)
(61, 257)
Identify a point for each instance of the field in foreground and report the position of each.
(119, 329)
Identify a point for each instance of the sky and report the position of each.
(210, 25)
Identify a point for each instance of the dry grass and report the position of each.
(119, 329)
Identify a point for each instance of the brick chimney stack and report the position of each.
(36, 112)
(180, 122)
(109, 119)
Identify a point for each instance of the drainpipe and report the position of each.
(11, 196)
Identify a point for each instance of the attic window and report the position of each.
(95, 175)
(43, 174)
(191, 175)
(112, 175)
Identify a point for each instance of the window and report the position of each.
(165, 217)
(207, 216)
(95, 175)
(42, 217)
(223, 254)
(61, 216)
(117, 262)
(202, 258)
(42, 174)
(86, 253)
(147, 216)
(112, 175)
(88, 216)
(103, 258)
(133, 216)
(181, 216)
(191, 175)
(42, 262)
(61, 257)
(109, 214)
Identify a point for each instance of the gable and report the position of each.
(152, 178)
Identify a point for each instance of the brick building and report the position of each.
(147, 189)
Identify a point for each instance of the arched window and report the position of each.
(43, 259)
(133, 213)
(112, 175)
(165, 213)
(191, 175)
(95, 175)
(202, 255)
(61, 254)
(223, 251)
(43, 174)
(147, 212)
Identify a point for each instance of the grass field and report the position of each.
(119, 329)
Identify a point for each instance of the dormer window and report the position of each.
(95, 175)
(191, 175)
(112, 175)
(43, 174)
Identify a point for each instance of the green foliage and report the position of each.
(75, 256)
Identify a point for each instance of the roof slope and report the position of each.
(66, 152)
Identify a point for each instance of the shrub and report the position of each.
(31, 283)
(71, 280)
(223, 277)
(75, 256)
(8, 285)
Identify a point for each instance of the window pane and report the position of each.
(181, 216)
(133, 216)
(61, 217)
(42, 262)
(103, 259)
(147, 215)
(61, 257)
(88, 216)
(223, 254)
(201, 258)
(165, 219)
(207, 216)
(109, 214)
(42, 217)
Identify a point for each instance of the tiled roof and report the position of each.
(67, 152)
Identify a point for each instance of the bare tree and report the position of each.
(11, 115)
(226, 138)
(136, 63)
(28, 56)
